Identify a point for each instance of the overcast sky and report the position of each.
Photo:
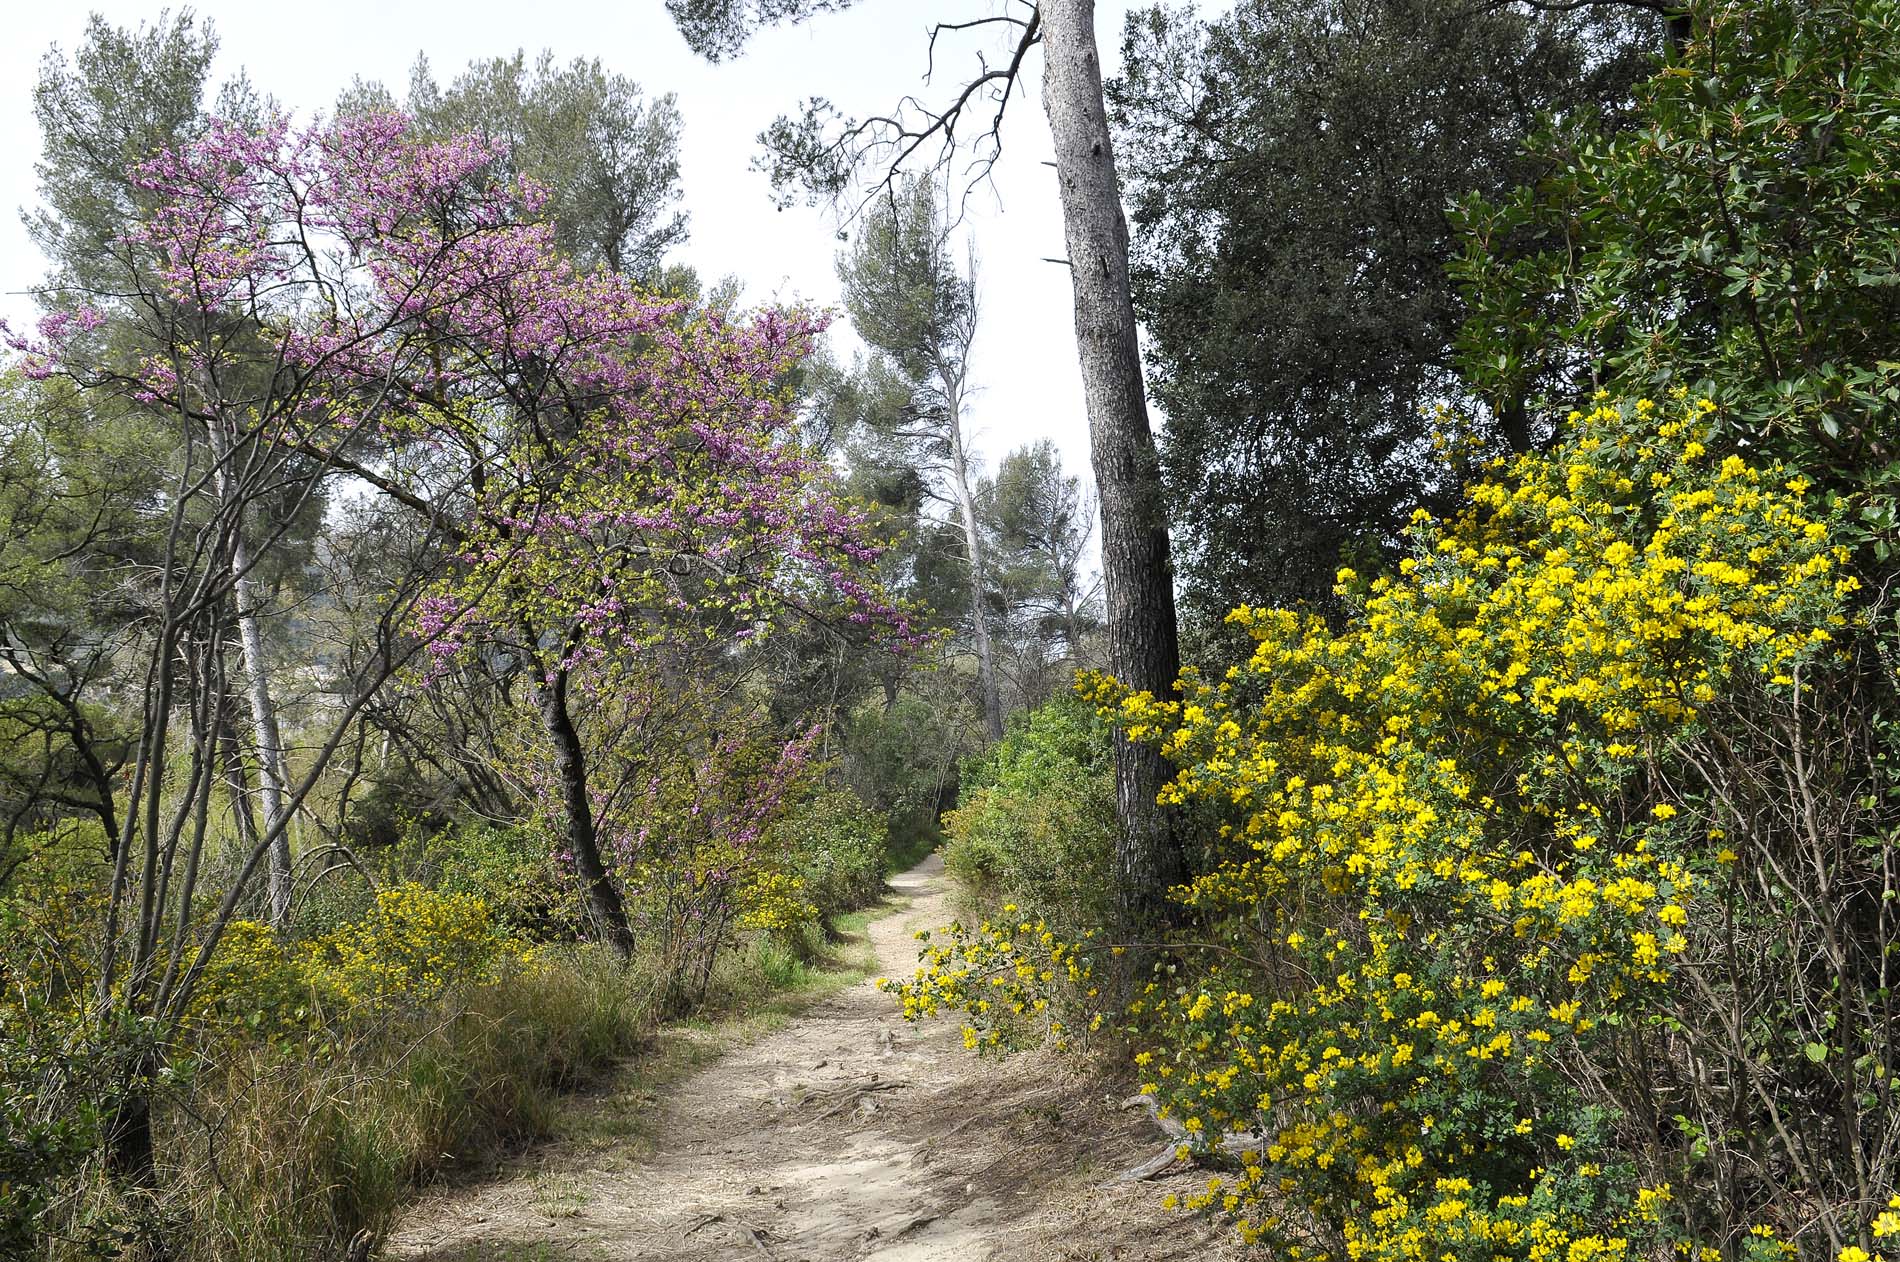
(862, 59)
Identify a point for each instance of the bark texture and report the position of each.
(1137, 571)
(604, 905)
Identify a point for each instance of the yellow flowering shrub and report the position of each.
(52, 916)
(1011, 975)
(775, 902)
(411, 945)
(253, 980)
(1457, 875)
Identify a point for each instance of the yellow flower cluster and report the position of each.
(775, 902)
(411, 945)
(1446, 868)
(1009, 977)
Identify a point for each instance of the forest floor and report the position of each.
(837, 1133)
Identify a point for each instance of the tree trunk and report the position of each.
(131, 1155)
(1681, 29)
(603, 900)
(1137, 572)
(237, 780)
(272, 778)
(973, 542)
(80, 733)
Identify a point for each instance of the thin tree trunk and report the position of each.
(237, 780)
(973, 542)
(80, 733)
(1137, 573)
(271, 771)
(603, 900)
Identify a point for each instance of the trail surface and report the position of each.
(845, 1134)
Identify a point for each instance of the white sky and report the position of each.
(862, 59)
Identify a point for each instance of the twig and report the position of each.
(758, 1240)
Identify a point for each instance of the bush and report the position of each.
(285, 1149)
(1480, 900)
(1547, 914)
(1037, 820)
(511, 869)
(311, 1082)
(837, 851)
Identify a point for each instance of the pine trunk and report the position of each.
(1137, 572)
(271, 775)
(973, 542)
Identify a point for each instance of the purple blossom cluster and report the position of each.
(623, 467)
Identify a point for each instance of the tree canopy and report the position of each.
(1291, 168)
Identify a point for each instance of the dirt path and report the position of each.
(844, 1134)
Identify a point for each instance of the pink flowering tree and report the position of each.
(607, 478)
(617, 475)
(689, 782)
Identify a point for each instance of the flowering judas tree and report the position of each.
(617, 474)
(628, 544)
(689, 784)
(596, 473)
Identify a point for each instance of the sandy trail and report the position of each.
(843, 1135)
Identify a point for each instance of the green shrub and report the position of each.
(284, 1150)
(512, 870)
(1037, 820)
(836, 848)
(902, 762)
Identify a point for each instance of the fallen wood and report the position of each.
(758, 1241)
(1149, 1168)
(1231, 1144)
(922, 1220)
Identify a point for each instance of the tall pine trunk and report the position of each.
(271, 772)
(973, 542)
(1137, 572)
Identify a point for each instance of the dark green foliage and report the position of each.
(122, 96)
(837, 851)
(56, 760)
(55, 1094)
(1290, 167)
(913, 305)
(901, 760)
(1046, 606)
(718, 29)
(78, 531)
(512, 870)
(1743, 242)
